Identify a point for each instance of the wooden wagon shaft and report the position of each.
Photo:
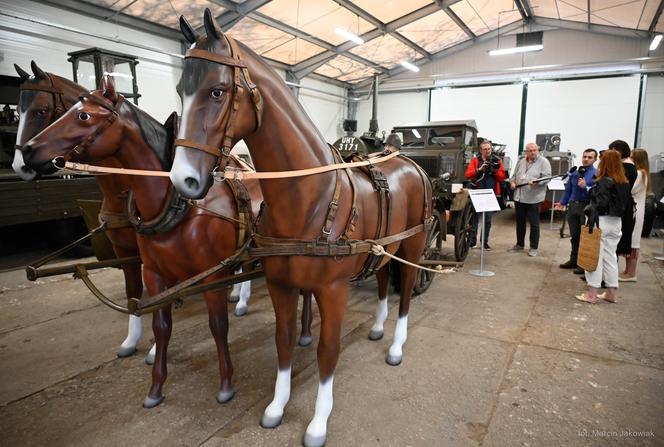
(34, 271)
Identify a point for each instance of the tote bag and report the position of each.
(589, 249)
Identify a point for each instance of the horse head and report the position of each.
(220, 106)
(44, 98)
(88, 131)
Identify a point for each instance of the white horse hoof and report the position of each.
(375, 335)
(393, 360)
(151, 402)
(314, 441)
(271, 421)
(225, 396)
(240, 311)
(149, 359)
(126, 351)
(305, 340)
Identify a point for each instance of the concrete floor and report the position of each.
(509, 360)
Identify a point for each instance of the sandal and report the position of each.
(586, 299)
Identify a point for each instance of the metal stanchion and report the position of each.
(481, 271)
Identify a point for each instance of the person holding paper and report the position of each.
(575, 199)
(486, 171)
(529, 195)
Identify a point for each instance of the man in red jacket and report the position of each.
(486, 171)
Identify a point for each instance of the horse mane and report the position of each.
(155, 134)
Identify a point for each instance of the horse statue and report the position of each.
(44, 98)
(315, 230)
(171, 231)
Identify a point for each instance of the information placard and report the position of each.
(556, 184)
(484, 200)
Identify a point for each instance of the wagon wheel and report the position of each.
(463, 223)
(424, 278)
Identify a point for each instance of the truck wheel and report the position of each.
(424, 278)
(463, 224)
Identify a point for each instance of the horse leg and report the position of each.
(307, 317)
(410, 250)
(218, 319)
(162, 325)
(235, 292)
(284, 301)
(134, 289)
(332, 307)
(245, 294)
(383, 278)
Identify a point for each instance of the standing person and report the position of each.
(576, 198)
(608, 199)
(625, 245)
(527, 199)
(640, 190)
(486, 171)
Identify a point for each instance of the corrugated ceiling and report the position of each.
(300, 34)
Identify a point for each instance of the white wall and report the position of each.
(588, 113)
(496, 110)
(393, 109)
(326, 111)
(652, 132)
(22, 41)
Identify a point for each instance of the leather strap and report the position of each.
(212, 150)
(196, 53)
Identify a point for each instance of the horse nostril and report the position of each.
(27, 148)
(191, 183)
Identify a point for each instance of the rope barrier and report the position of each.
(379, 250)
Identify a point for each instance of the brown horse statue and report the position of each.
(44, 98)
(171, 230)
(229, 93)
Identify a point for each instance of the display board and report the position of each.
(496, 110)
(588, 113)
(652, 130)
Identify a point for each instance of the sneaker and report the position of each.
(568, 265)
(627, 278)
(532, 252)
(487, 247)
(516, 247)
(474, 246)
(579, 271)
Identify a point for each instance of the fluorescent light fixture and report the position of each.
(513, 50)
(655, 42)
(416, 133)
(348, 35)
(410, 66)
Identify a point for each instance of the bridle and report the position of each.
(240, 70)
(81, 147)
(59, 106)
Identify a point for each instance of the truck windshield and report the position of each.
(445, 137)
(412, 137)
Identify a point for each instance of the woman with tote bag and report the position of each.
(608, 199)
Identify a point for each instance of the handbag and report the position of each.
(589, 245)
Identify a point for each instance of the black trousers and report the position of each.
(576, 219)
(529, 212)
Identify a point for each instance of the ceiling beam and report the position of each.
(106, 14)
(655, 19)
(448, 51)
(445, 6)
(262, 18)
(525, 9)
(236, 11)
(352, 7)
(588, 27)
(308, 66)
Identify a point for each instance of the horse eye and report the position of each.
(83, 116)
(41, 112)
(216, 93)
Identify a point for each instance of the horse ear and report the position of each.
(22, 73)
(210, 25)
(108, 87)
(187, 30)
(39, 73)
